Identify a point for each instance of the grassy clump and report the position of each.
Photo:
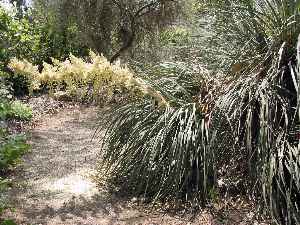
(160, 153)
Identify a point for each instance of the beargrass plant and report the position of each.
(173, 150)
(263, 112)
(160, 153)
(262, 101)
(159, 150)
(243, 35)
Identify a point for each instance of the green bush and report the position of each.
(19, 38)
(10, 109)
(36, 42)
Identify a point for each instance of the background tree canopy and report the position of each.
(111, 27)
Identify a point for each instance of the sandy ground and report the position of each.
(56, 185)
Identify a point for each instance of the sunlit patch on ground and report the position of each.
(75, 184)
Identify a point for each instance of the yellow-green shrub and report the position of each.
(76, 73)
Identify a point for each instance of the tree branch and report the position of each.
(133, 19)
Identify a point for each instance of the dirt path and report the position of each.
(55, 184)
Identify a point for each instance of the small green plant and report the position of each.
(8, 222)
(12, 147)
(4, 109)
(5, 90)
(10, 109)
(175, 36)
(14, 110)
(20, 111)
(3, 198)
